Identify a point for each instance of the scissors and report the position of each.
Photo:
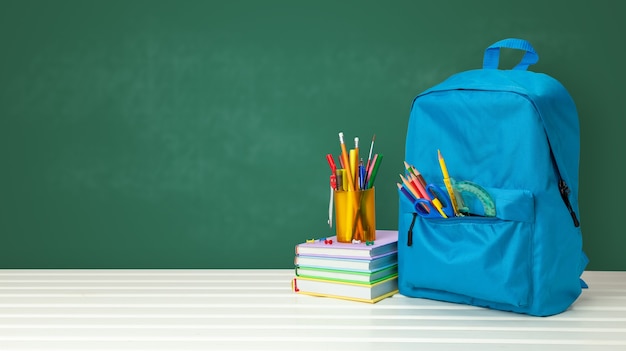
(428, 208)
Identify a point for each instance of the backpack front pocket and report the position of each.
(486, 258)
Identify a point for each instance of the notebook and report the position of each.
(386, 241)
(363, 265)
(349, 291)
(346, 275)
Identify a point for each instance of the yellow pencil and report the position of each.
(446, 180)
(353, 167)
(346, 162)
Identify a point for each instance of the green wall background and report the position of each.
(192, 134)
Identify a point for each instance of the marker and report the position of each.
(339, 179)
(370, 181)
(446, 180)
(331, 163)
(346, 163)
(333, 170)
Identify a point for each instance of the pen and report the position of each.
(446, 180)
(362, 176)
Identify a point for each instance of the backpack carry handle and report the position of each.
(492, 54)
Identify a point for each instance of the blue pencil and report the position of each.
(406, 193)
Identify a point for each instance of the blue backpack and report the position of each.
(511, 143)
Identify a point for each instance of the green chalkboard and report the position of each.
(192, 134)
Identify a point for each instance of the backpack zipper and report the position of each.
(564, 190)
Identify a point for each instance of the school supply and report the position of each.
(369, 157)
(430, 201)
(333, 186)
(386, 242)
(361, 292)
(448, 183)
(355, 215)
(361, 265)
(358, 176)
(511, 141)
(361, 271)
(353, 194)
(466, 191)
(347, 275)
(345, 161)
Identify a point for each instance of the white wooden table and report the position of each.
(256, 310)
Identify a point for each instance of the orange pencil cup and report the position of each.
(355, 215)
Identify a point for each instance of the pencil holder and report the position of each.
(355, 213)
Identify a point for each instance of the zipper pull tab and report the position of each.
(409, 241)
(564, 190)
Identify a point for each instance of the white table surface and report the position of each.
(256, 310)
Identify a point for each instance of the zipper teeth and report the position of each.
(565, 191)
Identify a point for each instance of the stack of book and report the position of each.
(363, 271)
